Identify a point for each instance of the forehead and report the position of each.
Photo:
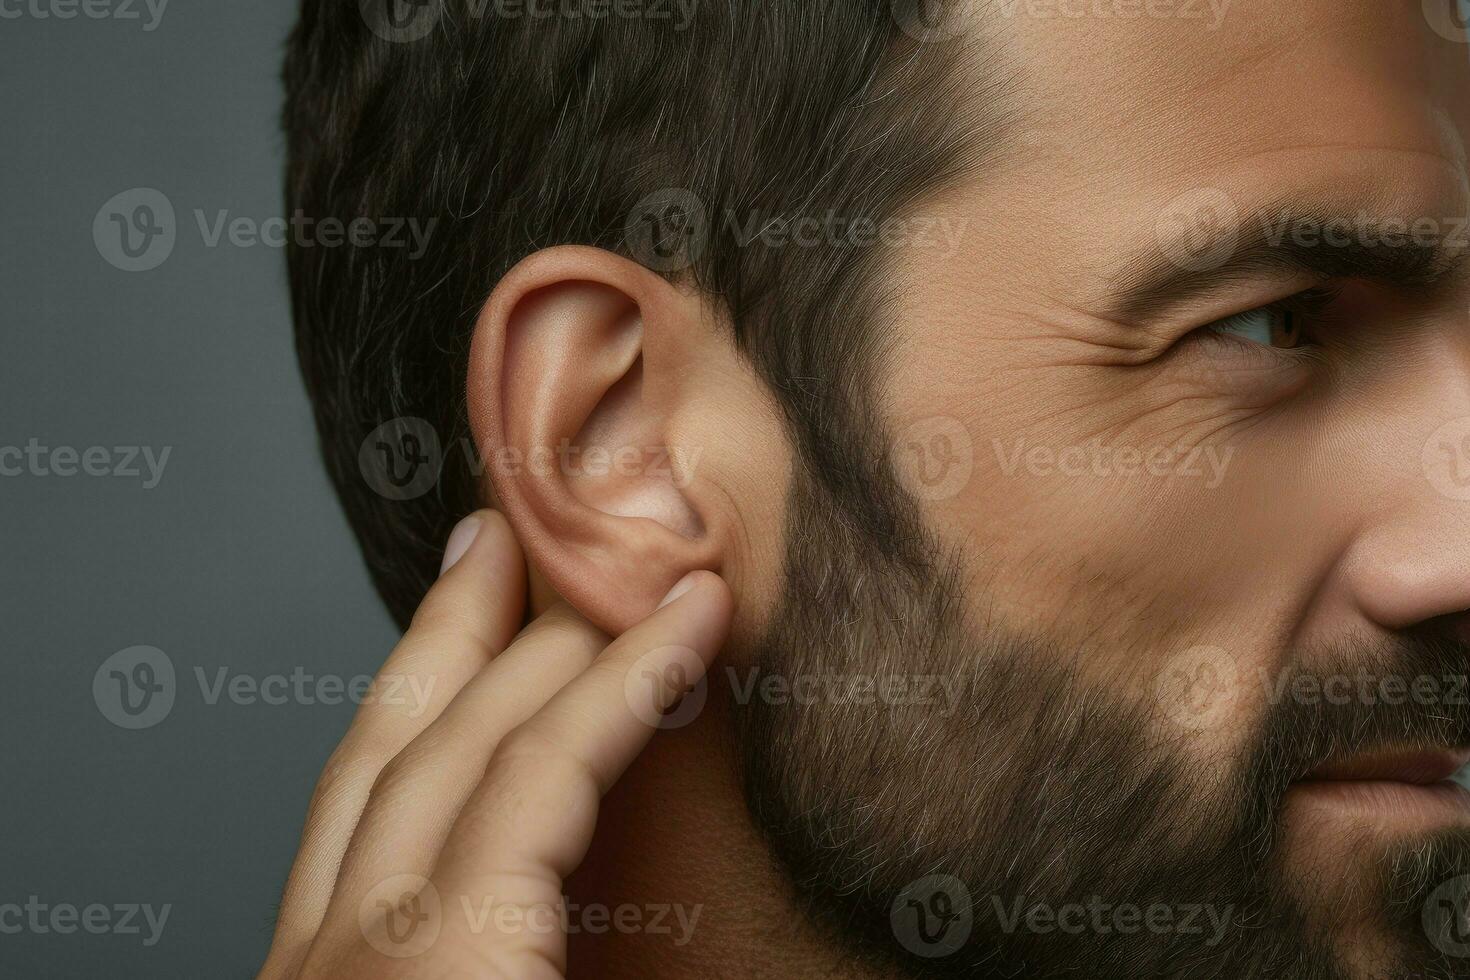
(1243, 72)
(1124, 107)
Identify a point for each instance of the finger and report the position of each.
(420, 793)
(468, 616)
(529, 822)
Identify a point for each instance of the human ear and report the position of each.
(577, 393)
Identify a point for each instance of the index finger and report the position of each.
(529, 822)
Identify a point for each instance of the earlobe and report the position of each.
(575, 414)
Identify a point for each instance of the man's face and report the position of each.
(1200, 591)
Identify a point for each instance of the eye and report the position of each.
(1270, 326)
(1285, 325)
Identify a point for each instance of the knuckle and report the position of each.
(400, 769)
(530, 756)
(349, 765)
(391, 775)
(562, 624)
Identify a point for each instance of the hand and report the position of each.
(467, 787)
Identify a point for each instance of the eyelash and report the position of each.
(1309, 305)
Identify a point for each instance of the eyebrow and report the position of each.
(1274, 242)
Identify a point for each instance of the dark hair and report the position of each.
(513, 132)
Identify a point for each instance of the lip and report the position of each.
(1407, 789)
(1415, 767)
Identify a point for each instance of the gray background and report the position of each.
(238, 558)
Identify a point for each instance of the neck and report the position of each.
(677, 860)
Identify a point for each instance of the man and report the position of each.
(1073, 400)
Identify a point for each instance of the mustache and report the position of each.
(1413, 694)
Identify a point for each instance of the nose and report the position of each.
(1405, 575)
(1408, 563)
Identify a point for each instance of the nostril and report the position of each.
(1410, 579)
(1452, 626)
(1459, 626)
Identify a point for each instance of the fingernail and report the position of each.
(680, 587)
(460, 539)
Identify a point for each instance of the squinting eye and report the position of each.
(1269, 326)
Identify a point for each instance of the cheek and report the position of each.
(1130, 506)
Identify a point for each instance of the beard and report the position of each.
(1034, 823)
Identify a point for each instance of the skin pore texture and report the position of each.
(1060, 605)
